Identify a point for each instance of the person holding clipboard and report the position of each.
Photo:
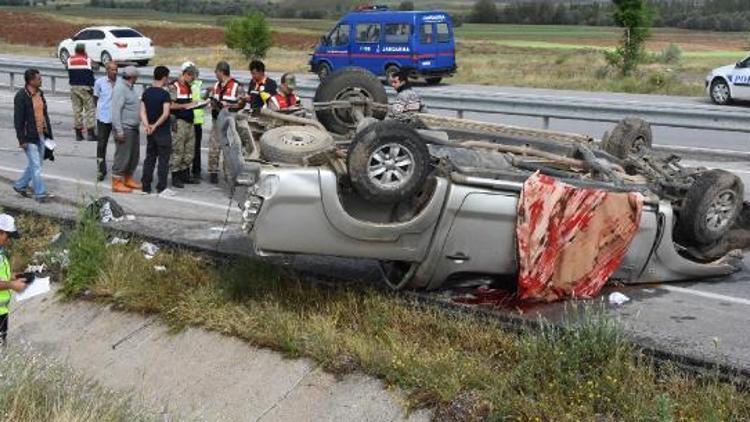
(8, 281)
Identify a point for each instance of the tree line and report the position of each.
(715, 15)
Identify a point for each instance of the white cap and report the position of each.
(186, 65)
(8, 225)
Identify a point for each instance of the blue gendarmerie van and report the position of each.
(384, 41)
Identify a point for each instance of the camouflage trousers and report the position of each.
(214, 148)
(82, 98)
(183, 145)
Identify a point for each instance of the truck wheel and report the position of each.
(720, 93)
(630, 136)
(349, 84)
(388, 162)
(433, 81)
(301, 145)
(323, 71)
(711, 207)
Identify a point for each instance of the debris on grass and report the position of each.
(149, 250)
(618, 299)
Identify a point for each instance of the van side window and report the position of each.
(368, 32)
(425, 33)
(397, 33)
(340, 35)
(443, 33)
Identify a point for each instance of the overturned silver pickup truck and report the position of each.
(436, 203)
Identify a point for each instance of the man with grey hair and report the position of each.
(81, 81)
(126, 107)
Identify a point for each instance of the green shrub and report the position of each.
(249, 35)
(87, 254)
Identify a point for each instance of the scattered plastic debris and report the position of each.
(130, 217)
(55, 237)
(36, 268)
(218, 229)
(149, 250)
(118, 241)
(618, 298)
(107, 209)
(160, 268)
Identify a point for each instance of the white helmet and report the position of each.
(186, 65)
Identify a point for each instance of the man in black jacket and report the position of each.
(32, 128)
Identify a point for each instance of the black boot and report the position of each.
(92, 135)
(102, 171)
(213, 178)
(79, 135)
(177, 180)
(188, 179)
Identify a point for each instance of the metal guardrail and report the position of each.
(690, 116)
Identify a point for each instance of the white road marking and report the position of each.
(107, 187)
(708, 295)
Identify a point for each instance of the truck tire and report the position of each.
(711, 207)
(433, 81)
(388, 162)
(301, 145)
(349, 83)
(629, 136)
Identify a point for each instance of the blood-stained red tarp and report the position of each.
(570, 239)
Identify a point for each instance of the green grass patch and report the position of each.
(87, 254)
(34, 389)
(465, 366)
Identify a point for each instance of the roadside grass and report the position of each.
(33, 388)
(465, 366)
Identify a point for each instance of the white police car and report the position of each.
(728, 83)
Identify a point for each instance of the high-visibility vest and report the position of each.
(4, 276)
(227, 93)
(196, 87)
(80, 70)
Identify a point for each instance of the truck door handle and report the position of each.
(458, 256)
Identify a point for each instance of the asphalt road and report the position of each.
(702, 319)
(703, 141)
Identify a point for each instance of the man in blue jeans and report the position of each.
(32, 128)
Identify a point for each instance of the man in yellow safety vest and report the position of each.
(197, 92)
(8, 281)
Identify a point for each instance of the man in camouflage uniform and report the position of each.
(227, 94)
(183, 133)
(407, 102)
(81, 81)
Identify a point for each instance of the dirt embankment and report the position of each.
(40, 30)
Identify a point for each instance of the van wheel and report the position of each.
(711, 207)
(388, 162)
(300, 145)
(323, 71)
(355, 85)
(433, 81)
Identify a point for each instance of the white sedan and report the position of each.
(107, 43)
(728, 83)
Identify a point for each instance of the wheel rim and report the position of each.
(64, 57)
(298, 138)
(638, 144)
(323, 71)
(106, 58)
(720, 92)
(390, 166)
(349, 116)
(721, 211)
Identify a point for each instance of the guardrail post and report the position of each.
(12, 81)
(460, 114)
(545, 122)
(53, 84)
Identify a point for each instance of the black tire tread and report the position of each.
(692, 214)
(375, 135)
(620, 141)
(345, 78)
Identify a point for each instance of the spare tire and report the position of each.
(388, 162)
(302, 145)
(630, 136)
(349, 83)
(711, 207)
